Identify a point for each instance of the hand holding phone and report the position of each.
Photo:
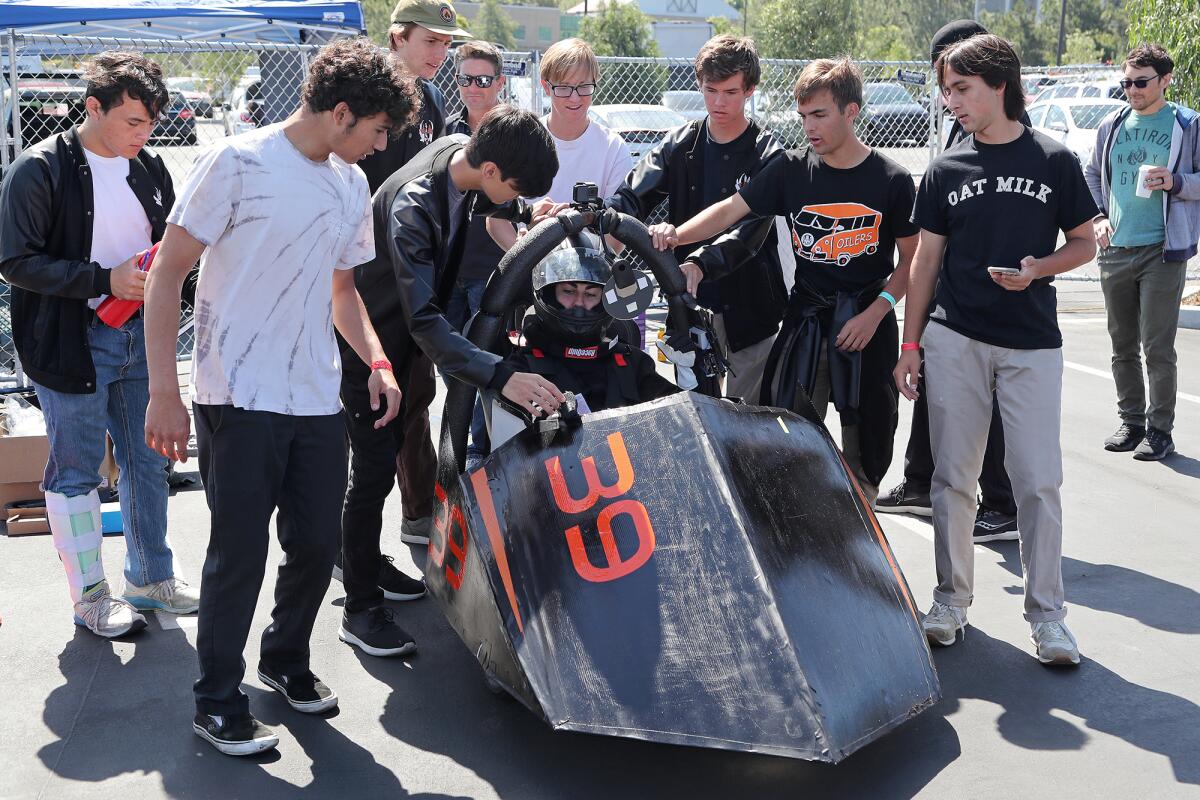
(1004, 270)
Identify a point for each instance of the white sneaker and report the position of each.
(174, 595)
(942, 624)
(1055, 643)
(416, 531)
(105, 615)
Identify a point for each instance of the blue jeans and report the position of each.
(464, 302)
(75, 425)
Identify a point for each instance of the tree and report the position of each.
(1174, 24)
(805, 28)
(885, 43)
(1081, 49)
(923, 18)
(378, 17)
(493, 25)
(621, 29)
(1036, 41)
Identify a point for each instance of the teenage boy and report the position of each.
(1146, 235)
(421, 217)
(480, 79)
(996, 519)
(273, 286)
(849, 209)
(705, 162)
(75, 212)
(419, 39)
(994, 327)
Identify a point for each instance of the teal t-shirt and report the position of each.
(1138, 221)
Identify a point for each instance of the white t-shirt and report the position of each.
(599, 156)
(120, 228)
(276, 225)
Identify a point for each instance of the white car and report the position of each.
(640, 126)
(1109, 89)
(244, 111)
(688, 102)
(1073, 122)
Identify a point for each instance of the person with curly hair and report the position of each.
(279, 217)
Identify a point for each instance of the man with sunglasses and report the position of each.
(1146, 231)
(480, 80)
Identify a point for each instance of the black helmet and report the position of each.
(578, 260)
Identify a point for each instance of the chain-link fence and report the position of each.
(221, 88)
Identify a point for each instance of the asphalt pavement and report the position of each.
(86, 717)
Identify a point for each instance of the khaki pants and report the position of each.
(960, 374)
(746, 365)
(1142, 294)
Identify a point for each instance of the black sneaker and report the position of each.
(304, 692)
(235, 735)
(901, 501)
(1155, 447)
(1125, 439)
(396, 585)
(376, 633)
(994, 526)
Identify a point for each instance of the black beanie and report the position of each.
(953, 33)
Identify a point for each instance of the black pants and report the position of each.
(254, 462)
(994, 485)
(373, 461)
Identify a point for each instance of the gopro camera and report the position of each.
(585, 196)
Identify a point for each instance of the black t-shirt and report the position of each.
(844, 222)
(714, 152)
(429, 125)
(996, 204)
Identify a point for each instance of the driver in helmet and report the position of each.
(569, 338)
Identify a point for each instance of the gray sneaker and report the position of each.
(1055, 643)
(105, 615)
(416, 531)
(942, 624)
(174, 595)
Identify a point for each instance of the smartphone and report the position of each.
(1004, 270)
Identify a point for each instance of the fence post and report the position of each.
(935, 120)
(535, 83)
(15, 101)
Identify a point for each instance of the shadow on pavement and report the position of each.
(989, 669)
(144, 710)
(1120, 590)
(1184, 465)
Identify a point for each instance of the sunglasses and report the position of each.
(1140, 83)
(564, 90)
(482, 81)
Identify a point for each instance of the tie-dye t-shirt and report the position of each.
(275, 225)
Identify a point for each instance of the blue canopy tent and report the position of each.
(239, 20)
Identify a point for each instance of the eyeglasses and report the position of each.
(565, 90)
(482, 81)
(1140, 83)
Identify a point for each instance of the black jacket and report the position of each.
(406, 286)
(610, 375)
(751, 295)
(481, 253)
(430, 125)
(46, 208)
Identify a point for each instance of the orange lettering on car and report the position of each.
(616, 567)
(595, 490)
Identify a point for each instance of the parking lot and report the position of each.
(84, 717)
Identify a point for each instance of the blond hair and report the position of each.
(563, 58)
(840, 76)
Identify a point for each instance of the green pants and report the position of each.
(1142, 294)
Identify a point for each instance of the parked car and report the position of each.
(640, 126)
(49, 105)
(1107, 88)
(1073, 122)
(891, 117)
(1034, 84)
(689, 103)
(245, 111)
(177, 122)
(192, 89)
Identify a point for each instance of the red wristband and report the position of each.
(904, 346)
(384, 364)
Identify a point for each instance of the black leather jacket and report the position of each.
(746, 280)
(46, 208)
(406, 286)
(429, 126)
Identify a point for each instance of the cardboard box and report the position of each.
(22, 464)
(24, 521)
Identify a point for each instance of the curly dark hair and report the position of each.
(515, 141)
(112, 75)
(1154, 56)
(364, 77)
(724, 56)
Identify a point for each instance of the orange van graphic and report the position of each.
(835, 232)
